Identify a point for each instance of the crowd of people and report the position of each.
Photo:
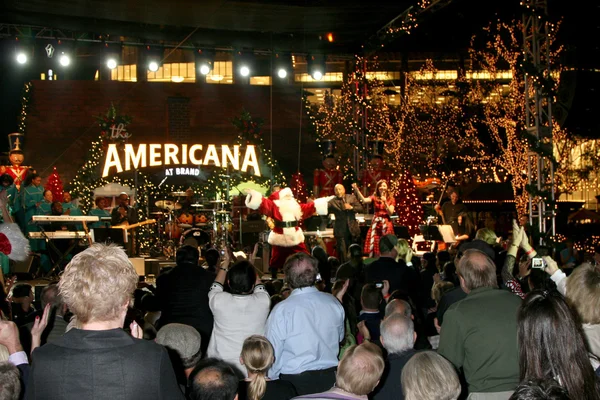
(463, 323)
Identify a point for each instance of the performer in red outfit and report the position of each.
(383, 204)
(286, 238)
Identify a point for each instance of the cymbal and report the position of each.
(185, 226)
(222, 212)
(157, 213)
(165, 204)
(178, 194)
(217, 201)
(197, 205)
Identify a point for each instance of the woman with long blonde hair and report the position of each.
(383, 208)
(258, 356)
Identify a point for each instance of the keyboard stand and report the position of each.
(61, 257)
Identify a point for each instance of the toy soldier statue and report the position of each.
(326, 178)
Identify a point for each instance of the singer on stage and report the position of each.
(383, 208)
(345, 227)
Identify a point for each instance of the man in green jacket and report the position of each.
(479, 333)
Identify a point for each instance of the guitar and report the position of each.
(131, 226)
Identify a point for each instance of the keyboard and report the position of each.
(58, 235)
(65, 218)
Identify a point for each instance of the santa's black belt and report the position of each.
(286, 224)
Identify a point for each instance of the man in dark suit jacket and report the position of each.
(345, 227)
(123, 212)
(397, 273)
(182, 294)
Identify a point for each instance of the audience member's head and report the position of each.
(187, 255)
(429, 376)
(185, 341)
(355, 253)
(540, 390)
(300, 270)
(22, 290)
(442, 258)
(439, 288)
(241, 277)
(97, 285)
(487, 235)
(398, 306)
(212, 256)
(428, 261)
(551, 344)
(257, 356)
(56, 208)
(370, 297)
(397, 333)
(450, 273)
(583, 293)
(50, 295)
(10, 385)
(276, 299)
(360, 369)
(402, 247)
(213, 379)
(387, 245)
(476, 270)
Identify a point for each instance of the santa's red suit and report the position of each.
(286, 238)
(326, 179)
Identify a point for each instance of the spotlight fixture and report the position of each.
(205, 60)
(64, 60)
(316, 66)
(21, 57)
(154, 57)
(111, 63)
(112, 54)
(22, 51)
(65, 50)
(244, 64)
(282, 64)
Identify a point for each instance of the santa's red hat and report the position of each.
(285, 192)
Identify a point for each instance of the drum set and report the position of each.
(184, 222)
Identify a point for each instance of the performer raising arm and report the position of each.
(286, 238)
(383, 206)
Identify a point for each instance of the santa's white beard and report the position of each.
(289, 209)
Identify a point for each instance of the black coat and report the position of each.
(182, 294)
(345, 220)
(390, 386)
(100, 365)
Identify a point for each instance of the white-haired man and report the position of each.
(358, 374)
(398, 338)
(100, 360)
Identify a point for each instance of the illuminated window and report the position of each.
(504, 75)
(384, 75)
(222, 72)
(124, 73)
(328, 77)
(260, 80)
(174, 72)
(317, 96)
(439, 75)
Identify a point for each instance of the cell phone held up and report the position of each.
(379, 285)
(538, 262)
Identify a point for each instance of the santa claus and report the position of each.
(286, 237)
